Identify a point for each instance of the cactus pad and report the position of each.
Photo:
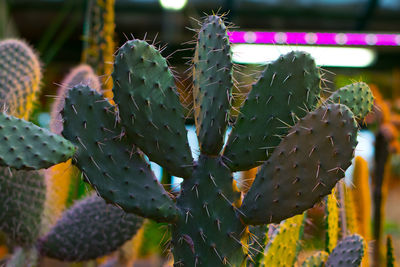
(149, 106)
(27, 146)
(108, 160)
(283, 246)
(20, 76)
(318, 259)
(212, 79)
(348, 253)
(299, 172)
(89, 229)
(22, 196)
(357, 97)
(287, 88)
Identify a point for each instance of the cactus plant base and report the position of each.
(208, 233)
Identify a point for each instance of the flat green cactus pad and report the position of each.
(88, 230)
(27, 146)
(318, 259)
(357, 97)
(212, 80)
(149, 106)
(287, 88)
(304, 167)
(109, 161)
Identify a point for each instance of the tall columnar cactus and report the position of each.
(20, 75)
(331, 222)
(99, 40)
(303, 150)
(390, 259)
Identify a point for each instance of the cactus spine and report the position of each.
(272, 131)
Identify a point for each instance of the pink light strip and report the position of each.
(317, 38)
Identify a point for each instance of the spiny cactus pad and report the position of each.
(331, 221)
(357, 97)
(149, 106)
(287, 88)
(283, 246)
(89, 229)
(299, 172)
(82, 74)
(348, 253)
(27, 146)
(208, 232)
(212, 80)
(22, 196)
(108, 160)
(20, 76)
(318, 259)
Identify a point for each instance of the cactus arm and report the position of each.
(212, 80)
(348, 252)
(89, 229)
(109, 161)
(390, 259)
(29, 147)
(299, 173)
(331, 221)
(357, 97)
(287, 88)
(22, 196)
(149, 106)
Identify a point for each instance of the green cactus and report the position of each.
(22, 196)
(348, 252)
(207, 220)
(20, 75)
(390, 260)
(90, 229)
(318, 259)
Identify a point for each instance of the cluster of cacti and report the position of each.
(303, 151)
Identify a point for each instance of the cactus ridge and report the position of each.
(333, 130)
(282, 247)
(149, 106)
(357, 97)
(348, 252)
(27, 146)
(212, 85)
(22, 196)
(287, 88)
(89, 229)
(318, 259)
(103, 151)
(20, 75)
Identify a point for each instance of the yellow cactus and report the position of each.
(99, 52)
(332, 221)
(283, 246)
(350, 211)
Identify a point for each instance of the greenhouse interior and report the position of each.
(287, 111)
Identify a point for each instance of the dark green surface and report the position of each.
(149, 106)
(212, 85)
(286, 89)
(304, 167)
(109, 161)
(27, 146)
(88, 230)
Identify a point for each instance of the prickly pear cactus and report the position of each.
(316, 260)
(348, 253)
(90, 229)
(20, 75)
(274, 129)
